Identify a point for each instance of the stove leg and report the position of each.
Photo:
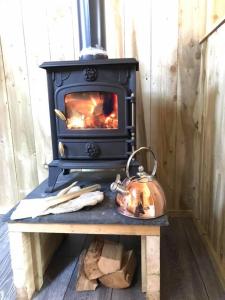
(66, 171)
(53, 174)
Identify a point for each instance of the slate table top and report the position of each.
(102, 213)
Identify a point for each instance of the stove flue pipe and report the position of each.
(91, 18)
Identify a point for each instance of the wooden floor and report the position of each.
(186, 270)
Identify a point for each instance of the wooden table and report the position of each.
(33, 241)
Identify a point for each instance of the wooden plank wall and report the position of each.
(162, 35)
(210, 211)
(215, 10)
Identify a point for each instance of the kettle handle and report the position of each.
(134, 153)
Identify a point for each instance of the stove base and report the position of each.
(56, 167)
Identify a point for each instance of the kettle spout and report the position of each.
(118, 187)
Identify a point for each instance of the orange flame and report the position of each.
(86, 110)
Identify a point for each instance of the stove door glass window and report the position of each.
(91, 110)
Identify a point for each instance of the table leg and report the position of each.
(143, 264)
(37, 260)
(30, 255)
(22, 264)
(153, 267)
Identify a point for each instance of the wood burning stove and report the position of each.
(91, 101)
(92, 112)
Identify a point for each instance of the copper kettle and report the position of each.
(140, 196)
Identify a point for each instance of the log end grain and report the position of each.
(111, 257)
(91, 259)
(123, 277)
(83, 283)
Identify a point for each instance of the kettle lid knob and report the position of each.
(140, 169)
(141, 172)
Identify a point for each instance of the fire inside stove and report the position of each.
(91, 110)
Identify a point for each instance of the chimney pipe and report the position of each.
(91, 18)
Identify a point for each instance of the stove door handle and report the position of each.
(60, 114)
(61, 149)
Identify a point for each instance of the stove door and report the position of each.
(91, 110)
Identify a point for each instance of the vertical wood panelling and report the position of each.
(217, 210)
(215, 11)
(211, 211)
(151, 31)
(60, 29)
(37, 51)
(211, 91)
(114, 19)
(219, 224)
(188, 113)
(14, 56)
(135, 33)
(164, 91)
(197, 208)
(74, 16)
(8, 171)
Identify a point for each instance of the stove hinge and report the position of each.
(132, 127)
(131, 98)
(130, 146)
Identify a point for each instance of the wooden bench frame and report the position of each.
(29, 261)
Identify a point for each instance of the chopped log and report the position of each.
(122, 278)
(83, 283)
(91, 259)
(111, 257)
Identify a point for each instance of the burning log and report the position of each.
(92, 110)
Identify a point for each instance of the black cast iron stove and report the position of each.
(92, 110)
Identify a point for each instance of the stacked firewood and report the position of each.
(105, 262)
